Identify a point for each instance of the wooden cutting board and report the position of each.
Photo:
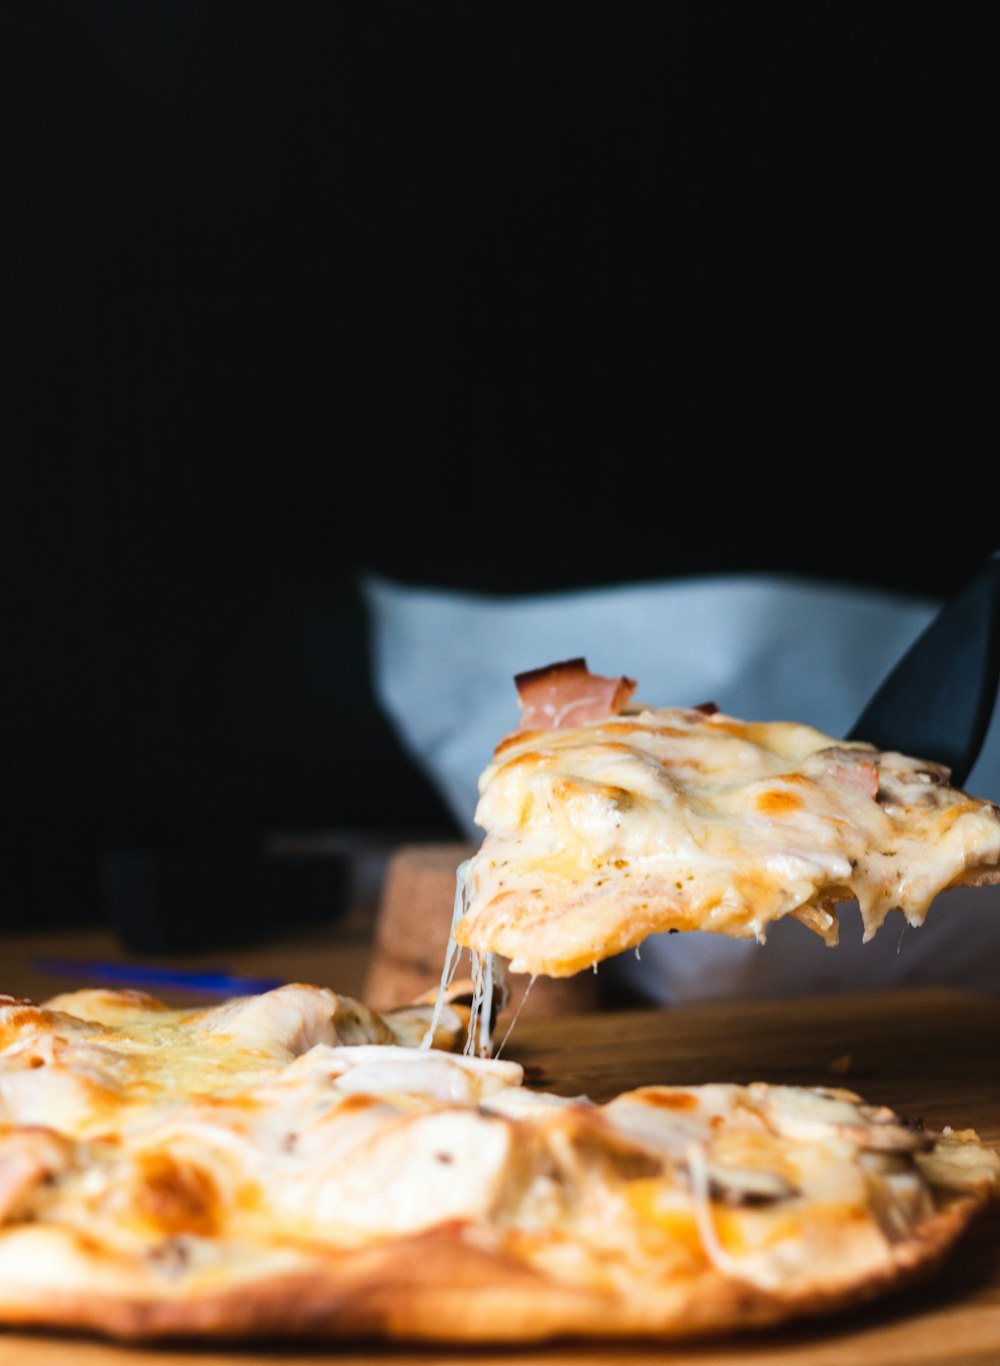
(934, 1054)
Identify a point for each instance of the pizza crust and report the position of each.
(439, 1286)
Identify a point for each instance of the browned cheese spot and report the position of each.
(670, 1100)
(360, 1100)
(19, 1019)
(777, 802)
(177, 1197)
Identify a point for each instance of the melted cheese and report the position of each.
(487, 981)
(201, 1149)
(672, 819)
(250, 1115)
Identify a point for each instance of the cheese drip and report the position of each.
(452, 954)
(487, 980)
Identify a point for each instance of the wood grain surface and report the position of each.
(932, 1054)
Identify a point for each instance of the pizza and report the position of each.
(606, 821)
(291, 1164)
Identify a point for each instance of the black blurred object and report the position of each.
(287, 286)
(937, 702)
(151, 716)
(197, 902)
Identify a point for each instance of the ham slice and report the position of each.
(566, 694)
(28, 1156)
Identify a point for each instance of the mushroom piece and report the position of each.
(823, 1113)
(736, 1185)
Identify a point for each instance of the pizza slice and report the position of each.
(607, 821)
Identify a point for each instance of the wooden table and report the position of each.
(934, 1054)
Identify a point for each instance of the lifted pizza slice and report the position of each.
(607, 821)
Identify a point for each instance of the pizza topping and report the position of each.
(28, 1155)
(959, 1161)
(568, 694)
(746, 1185)
(862, 773)
(409, 1172)
(819, 1113)
(380, 1069)
(906, 786)
(284, 1022)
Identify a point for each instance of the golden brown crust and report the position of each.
(434, 1285)
(440, 1287)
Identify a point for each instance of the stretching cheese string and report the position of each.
(487, 978)
(520, 1006)
(452, 955)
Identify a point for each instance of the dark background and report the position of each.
(496, 296)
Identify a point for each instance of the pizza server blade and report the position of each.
(937, 701)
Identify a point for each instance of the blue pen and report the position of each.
(215, 981)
